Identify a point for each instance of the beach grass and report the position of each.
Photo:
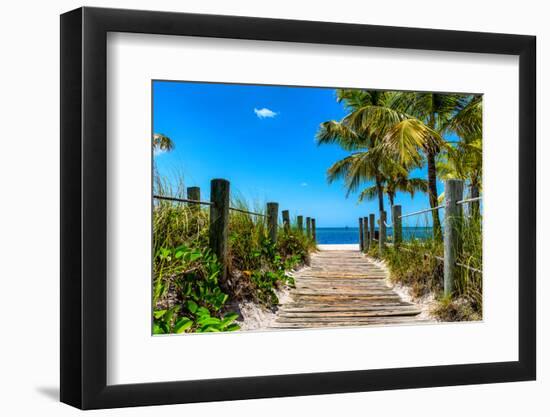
(417, 264)
(189, 294)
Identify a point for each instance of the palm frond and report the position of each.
(368, 194)
(375, 120)
(162, 142)
(467, 122)
(340, 169)
(407, 138)
(333, 132)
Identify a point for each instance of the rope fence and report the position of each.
(414, 213)
(219, 218)
(247, 212)
(182, 200)
(205, 203)
(469, 200)
(452, 238)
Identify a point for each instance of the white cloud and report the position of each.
(264, 112)
(304, 184)
(158, 151)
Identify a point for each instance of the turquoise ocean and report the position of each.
(349, 235)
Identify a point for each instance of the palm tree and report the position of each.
(360, 167)
(414, 124)
(162, 143)
(464, 161)
(409, 127)
(368, 161)
(393, 185)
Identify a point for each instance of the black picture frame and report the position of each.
(84, 207)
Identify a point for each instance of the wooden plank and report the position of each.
(327, 298)
(343, 306)
(356, 293)
(350, 314)
(342, 288)
(345, 323)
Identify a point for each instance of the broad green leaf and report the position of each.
(203, 311)
(182, 325)
(211, 329)
(159, 313)
(157, 329)
(228, 318)
(194, 256)
(232, 327)
(192, 306)
(205, 321)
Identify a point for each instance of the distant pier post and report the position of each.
(219, 222)
(194, 193)
(382, 233)
(361, 242)
(308, 226)
(397, 225)
(452, 238)
(272, 220)
(313, 230)
(371, 234)
(300, 223)
(366, 239)
(286, 220)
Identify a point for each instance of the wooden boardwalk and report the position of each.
(342, 288)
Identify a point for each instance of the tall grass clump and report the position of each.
(188, 295)
(467, 300)
(417, 263)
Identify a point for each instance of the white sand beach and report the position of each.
(353, 246)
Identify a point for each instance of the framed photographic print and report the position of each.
(283, 208)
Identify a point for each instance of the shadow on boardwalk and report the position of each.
(343, 288)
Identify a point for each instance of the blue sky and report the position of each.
(261, 139)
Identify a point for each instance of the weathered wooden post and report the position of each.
(219, 222)
(286, 220)
(382, 229)
(313, 231)
(300, 224)
(452, 238)
(397, 224)
(272, 220)
(366, 239)
(361, 242)
(371, 223)
(194, 193)
(308, 226)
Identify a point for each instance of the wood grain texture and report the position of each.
(343, 288)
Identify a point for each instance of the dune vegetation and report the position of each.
(188, 292)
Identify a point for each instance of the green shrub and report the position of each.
(418, 264)
(186, 274)
(190, 276)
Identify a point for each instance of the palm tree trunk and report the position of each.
(380, 194)
(432, 182)
(391, 198)
(432, 192)
(474, 206)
